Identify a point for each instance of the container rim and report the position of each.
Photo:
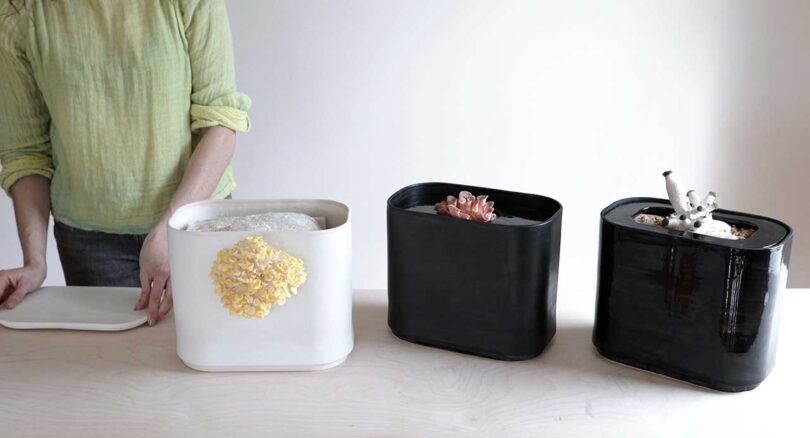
(708, 240)
(172, 226)
(554, 217)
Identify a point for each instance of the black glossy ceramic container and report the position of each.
(697, 308)
(488, 289)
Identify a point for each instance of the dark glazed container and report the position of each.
(697, 308)
(488, 289)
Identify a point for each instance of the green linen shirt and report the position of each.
(104, 97)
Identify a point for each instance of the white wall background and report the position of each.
(583, 101)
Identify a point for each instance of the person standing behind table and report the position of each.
(113, 114)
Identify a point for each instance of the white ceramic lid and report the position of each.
(76, 308)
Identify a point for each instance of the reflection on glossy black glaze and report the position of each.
(697, 308)
(482, 288)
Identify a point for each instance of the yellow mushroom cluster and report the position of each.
(251, 277)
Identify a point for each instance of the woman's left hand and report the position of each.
(154, 261)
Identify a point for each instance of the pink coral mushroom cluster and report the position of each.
(468, 207)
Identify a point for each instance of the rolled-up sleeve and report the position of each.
(214, 99)
(25, 147)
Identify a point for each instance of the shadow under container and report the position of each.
(311, 331)
(697, 308)
(488, 289)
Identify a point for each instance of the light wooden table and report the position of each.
(59, 383)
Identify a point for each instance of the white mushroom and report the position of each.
(693, 213)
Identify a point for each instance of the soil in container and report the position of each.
(655, 216)
(502, 219)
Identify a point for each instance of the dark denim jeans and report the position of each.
(93, 258)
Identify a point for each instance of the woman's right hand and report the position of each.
(15, 284)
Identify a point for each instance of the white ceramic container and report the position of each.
(311, 331)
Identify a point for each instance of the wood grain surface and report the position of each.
(62, 383)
